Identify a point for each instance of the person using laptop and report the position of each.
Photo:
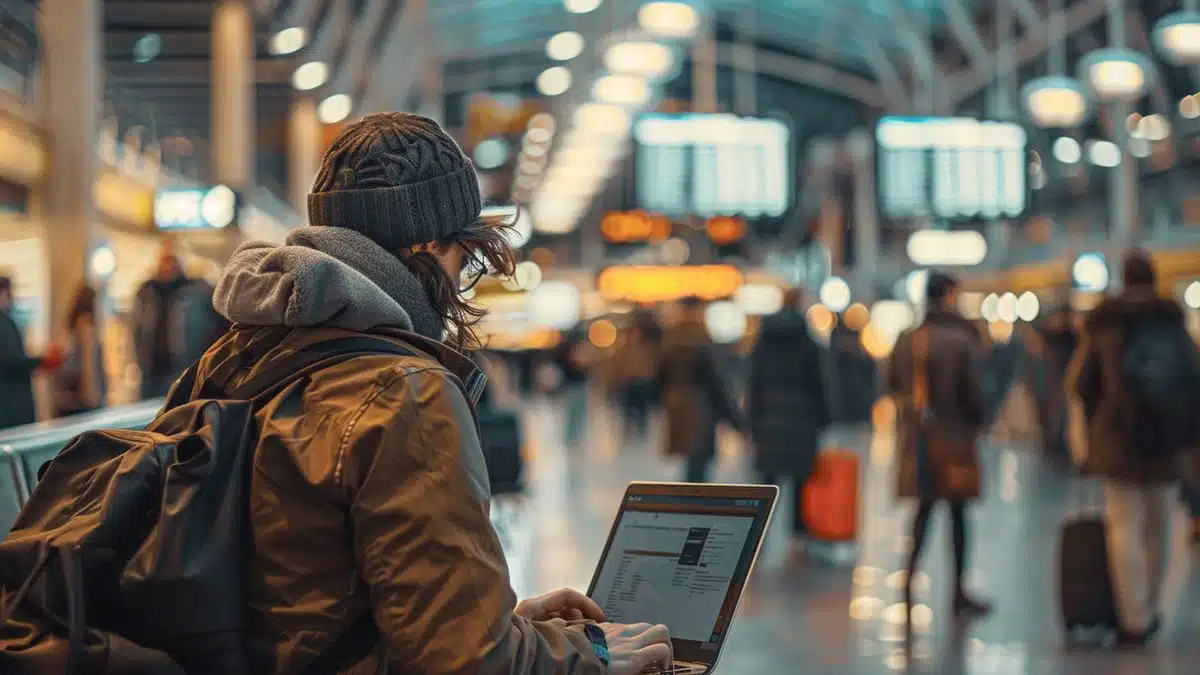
(370, 495)
(680, 554)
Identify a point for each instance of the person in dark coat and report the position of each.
(16, 367)
(787, 402)
(958, 403)
(695, 397)
(173, 324)
(1141, 478)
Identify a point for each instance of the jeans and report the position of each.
(697, 467)
(1147, 534)
(576, 395)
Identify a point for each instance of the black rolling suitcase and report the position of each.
(500, 434)
(1085, 581)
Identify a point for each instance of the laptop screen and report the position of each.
(682, 560)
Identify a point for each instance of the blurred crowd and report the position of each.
(171, 325)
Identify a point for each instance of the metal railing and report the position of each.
(26, 448)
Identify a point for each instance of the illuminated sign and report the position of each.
(951, 167)
(626, 227)
(931, 248)
(650, 283)
(713, 165)
(195, 208)
(726, 230)
(1089, 273)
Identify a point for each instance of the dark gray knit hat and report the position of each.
(397, 178)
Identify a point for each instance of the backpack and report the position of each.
(129, 556)
(1161, 372)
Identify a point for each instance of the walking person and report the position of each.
(80, 383)
(787, 401)
(935, 371)
(17, 405)
(1136, 374)
(695, 397)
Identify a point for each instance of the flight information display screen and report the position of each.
(713, 164)
(952, 168)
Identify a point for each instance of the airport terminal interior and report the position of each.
(757, 242)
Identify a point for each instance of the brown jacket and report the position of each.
(1095, 377)
(956, 395)
(370, 497)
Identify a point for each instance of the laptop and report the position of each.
(679, 554)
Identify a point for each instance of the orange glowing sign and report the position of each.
(626, 227)
(726, 230)
(648, 284)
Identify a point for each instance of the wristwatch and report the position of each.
(599, 643)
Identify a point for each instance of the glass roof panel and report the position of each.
(834, 28)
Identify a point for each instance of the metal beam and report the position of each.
(1031, 19)
(966, 83)
(967, 35)
(885, 73)
(811, 73)
(185, 71)
(386, 89)
(356, 56)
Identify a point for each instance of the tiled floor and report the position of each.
(826, 618)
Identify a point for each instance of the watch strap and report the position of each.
(595, 635)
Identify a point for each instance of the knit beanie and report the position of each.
(397, 178)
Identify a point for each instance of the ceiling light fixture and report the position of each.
(564, 46)
(651, 60)
(554, 81)
(310, 75)
(676, 20)
(335, 109)
(288, 41)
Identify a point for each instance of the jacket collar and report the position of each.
(1134, 305)
(942, 317)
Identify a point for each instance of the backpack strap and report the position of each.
(306, 361)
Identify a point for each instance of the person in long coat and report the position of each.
(787, 401)
(695, 397)
(958, 405)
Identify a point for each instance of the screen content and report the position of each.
(676, 563)
(710, 164)
(951, 168)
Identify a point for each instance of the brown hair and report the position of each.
(83, 305)
(489, 238)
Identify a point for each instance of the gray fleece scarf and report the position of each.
(327, 276)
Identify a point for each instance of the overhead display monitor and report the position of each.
(713, 165)
(951, 168)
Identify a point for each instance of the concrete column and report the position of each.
(430, 78)
(71, 75)
(866, 217)
(233, 91)
(704, 70)
(1123, 193)
(304, 151)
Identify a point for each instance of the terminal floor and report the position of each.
(822, 615)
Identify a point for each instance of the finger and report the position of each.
(645, 656)
(572, 614)
(655, 635)
(569, 598)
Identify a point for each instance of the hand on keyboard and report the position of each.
(634, 647)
